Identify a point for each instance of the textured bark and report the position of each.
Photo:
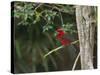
(86, 23)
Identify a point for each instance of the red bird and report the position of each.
(61, 36)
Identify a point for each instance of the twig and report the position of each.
(61, 18)
(56, 49)
(59, 9)
(37, 7)
(76, 61)
(75, 42)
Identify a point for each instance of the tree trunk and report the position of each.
(86, 23)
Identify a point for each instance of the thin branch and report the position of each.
(59, 9)
(75, 42)
(62, 22)
(76, 61)
(56, 49)
(37, 7)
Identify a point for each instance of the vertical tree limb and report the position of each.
(85, 18)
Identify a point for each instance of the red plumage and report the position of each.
(61, 37)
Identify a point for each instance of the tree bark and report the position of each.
(86, 23)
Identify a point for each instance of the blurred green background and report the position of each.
(35, 33)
